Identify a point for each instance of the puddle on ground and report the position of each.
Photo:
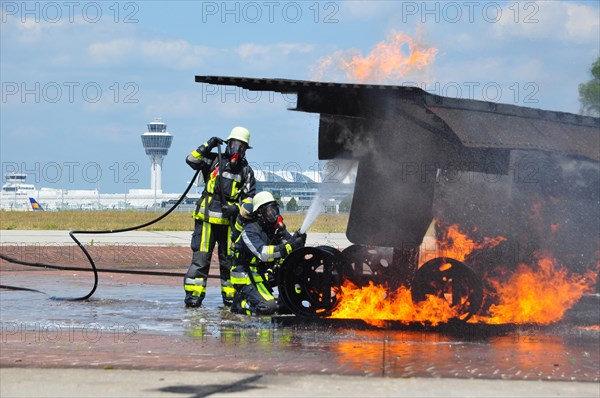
(560, 352)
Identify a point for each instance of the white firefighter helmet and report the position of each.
(262, 198)
(241, 134)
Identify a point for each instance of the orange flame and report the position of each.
(457, 245)
(538, 295)
(387, 62)
(375, 304)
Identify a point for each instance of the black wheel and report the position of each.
(452, 280)
(368, 263)
(310, 278)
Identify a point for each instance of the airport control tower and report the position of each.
(157, 142)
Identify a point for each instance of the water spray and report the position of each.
(341, 169)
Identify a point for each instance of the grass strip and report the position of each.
(100, 220)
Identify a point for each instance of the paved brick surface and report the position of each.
(117, 256)
(148, 258)
(317, 351)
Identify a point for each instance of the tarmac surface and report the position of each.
(137, 238)
(135, 338)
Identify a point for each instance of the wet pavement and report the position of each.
(139, 323)
(144, 325)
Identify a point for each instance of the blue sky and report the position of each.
(80, 80)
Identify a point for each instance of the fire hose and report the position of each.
(91, 260)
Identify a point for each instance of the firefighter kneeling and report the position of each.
(262, 244)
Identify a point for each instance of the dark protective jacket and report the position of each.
(254, 246)
(256, 251)
(243, 218)
(239, 184)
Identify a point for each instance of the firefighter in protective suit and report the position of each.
(262, 244)
(229, 182)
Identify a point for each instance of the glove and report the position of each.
(271, 275)
(229, 210)
(214, 142)
(280, 232)
(298, 240)
(300, 235)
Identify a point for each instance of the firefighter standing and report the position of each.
(227, 186)
(262, 243)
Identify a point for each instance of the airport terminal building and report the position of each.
(303, 187)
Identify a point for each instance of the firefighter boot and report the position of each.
(195, 290)
(240, 305)
(227, 293)
(191, 301)
(194, 282)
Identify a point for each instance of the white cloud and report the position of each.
(583, 23)
(43, 27)
(112, 51)
(180, 54)
(364, 9)
(278, 49)
(177, 54)
(271, 56)
(563, 21)
(175, 104)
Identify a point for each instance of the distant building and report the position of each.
(303, 187)
(156, 142)
(16, 192)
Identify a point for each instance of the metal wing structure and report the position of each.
(530, 175)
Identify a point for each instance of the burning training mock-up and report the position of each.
(513, 191)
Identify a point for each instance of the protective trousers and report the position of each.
(204, 238)
(253, 295)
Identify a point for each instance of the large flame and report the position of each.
(457, 245)
(391, 61)
(532, 294)
(375, 304)
(539, 295)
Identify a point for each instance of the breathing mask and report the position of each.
(235, 151)
(269, 214)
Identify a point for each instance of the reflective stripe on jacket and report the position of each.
(237, 185)
(255, 246)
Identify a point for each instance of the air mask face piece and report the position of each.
(236, 150)
(270, 213)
